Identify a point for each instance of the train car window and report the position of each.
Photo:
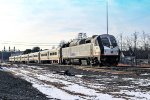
(105, 41)
(35, 55)
(55, 53)
(43, 54)
(113, 41)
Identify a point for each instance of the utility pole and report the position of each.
(9, 48)
(107, 14)
(121, 40)
(121, 46)
(14, 49)
(4, 48)
(135, 46)
(2, 57)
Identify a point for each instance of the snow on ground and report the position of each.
(140, 82)
(68, 90)
(49, 90)
(139, 95)
(74, 88)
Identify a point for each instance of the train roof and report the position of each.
(105, 35)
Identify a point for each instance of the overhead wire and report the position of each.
(27, 43)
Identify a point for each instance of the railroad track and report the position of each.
(113, 80)
(104, 69)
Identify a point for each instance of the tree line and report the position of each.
(137, 42)
(34, 49)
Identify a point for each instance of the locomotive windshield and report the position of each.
(108, 40)
(105, 41)
(113, 41)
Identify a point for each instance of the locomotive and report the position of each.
(96, 50)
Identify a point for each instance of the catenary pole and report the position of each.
(107, 14)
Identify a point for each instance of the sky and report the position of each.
(44, 23)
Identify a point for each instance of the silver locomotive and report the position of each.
(96, 50)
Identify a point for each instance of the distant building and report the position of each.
(4, 55)
(138, 57)
(128, 57)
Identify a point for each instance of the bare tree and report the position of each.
(35, 49)
(129, 42)
(135, 35)
(27, 51)
(144, 40)
(121, 41)
(148, 41)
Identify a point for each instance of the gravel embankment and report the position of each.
(14, 88)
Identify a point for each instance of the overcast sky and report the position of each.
(49, 21)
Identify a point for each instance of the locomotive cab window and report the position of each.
(105, 41)
(113, 41)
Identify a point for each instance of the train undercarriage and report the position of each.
(94, 61)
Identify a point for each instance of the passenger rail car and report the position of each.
(50, 56)
(96, 50)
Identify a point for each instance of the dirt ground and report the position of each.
(120, 82)
(14, 88)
